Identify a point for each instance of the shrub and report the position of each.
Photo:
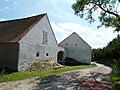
(116, 76)
(116, 85)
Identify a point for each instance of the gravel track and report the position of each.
(95, 78)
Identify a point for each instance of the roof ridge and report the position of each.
(14, 30)
(81, 38)
(65, 38)
(77, 35)
(22, 18)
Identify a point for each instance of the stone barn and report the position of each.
(22, 41)
(76, 48)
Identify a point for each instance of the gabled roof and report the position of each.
(13, 30)
(71, 35)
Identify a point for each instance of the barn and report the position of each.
(22, 41)
(76, 48)
(25, 40)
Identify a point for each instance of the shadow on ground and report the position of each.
(74, 81)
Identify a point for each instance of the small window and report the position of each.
(76, 44)
(37, 54)
(66, 44)
(46, 54)
(45, 37)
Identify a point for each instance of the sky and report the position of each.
(62, 19)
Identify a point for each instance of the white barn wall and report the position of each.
(80, 52)
(32, 43)
(64, 52)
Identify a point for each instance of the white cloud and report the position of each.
(33, 14)
(56, 27)
(4, 9)
(95, 38)
(119, 9)
(7, 8)
(73, 26)
(1, 19)
(15, 3)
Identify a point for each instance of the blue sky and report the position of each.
(62, 19)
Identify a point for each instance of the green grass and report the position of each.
(38, 73)
(22, 75)
(116, 85)
(69, 68)
(115, 76)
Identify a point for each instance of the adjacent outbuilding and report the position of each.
(76, 48)
(23, 41)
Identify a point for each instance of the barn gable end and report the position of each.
(77, 48)
(28, 39)
(39, 43)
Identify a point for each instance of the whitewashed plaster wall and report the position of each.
(32, 43)
(77, 48)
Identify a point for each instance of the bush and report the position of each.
(116, 86)
(116, 76)
(116, 69)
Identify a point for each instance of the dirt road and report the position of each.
(96, 78)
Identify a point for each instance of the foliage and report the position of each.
(111, 52)
(116, 76)
(106, 9)
(40, 73)
(116, 86)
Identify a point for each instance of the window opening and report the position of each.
(45, 37)
(46, 54)
(37, 54)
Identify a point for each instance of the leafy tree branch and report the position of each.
(108, 11)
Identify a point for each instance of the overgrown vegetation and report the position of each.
(110, 55)
(116, 76)
(36, 71)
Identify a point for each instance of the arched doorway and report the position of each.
(60, 57)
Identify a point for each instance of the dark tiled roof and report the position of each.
(13, 30)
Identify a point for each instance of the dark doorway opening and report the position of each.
(60, 57)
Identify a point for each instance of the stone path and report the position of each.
(97, 78)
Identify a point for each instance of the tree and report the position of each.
(109, 53)
(108, 15)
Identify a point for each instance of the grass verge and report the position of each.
(69, 68)
(38, 73)
(115, 77)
